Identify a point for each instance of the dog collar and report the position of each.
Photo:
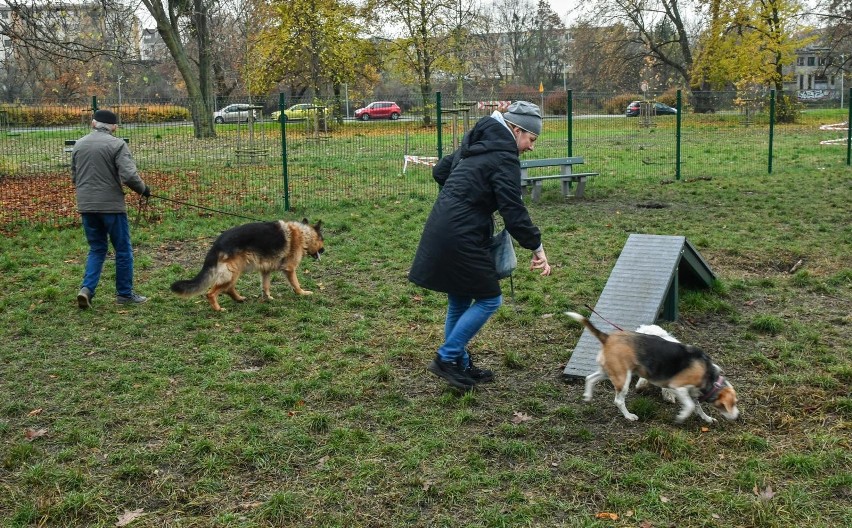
(710, 393)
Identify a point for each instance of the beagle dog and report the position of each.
(664, 362)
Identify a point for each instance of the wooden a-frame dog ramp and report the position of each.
(642, 289)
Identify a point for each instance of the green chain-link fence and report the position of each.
(320, 155)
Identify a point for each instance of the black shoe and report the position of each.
(479, 375)
(452, 373)
(84, 298)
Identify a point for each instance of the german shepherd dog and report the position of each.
(258, 246)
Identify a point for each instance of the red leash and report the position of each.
(604, 318)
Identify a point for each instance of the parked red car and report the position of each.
(379, 110)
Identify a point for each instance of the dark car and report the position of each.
(379, 110)
(659, 109)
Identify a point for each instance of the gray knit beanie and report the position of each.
(525, 115)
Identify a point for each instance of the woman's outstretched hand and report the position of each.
(539, 261)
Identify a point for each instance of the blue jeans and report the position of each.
(465, 317)
(112, 227)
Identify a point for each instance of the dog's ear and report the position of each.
(305, 221)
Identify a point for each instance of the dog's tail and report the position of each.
(201, 282)
(602, 336)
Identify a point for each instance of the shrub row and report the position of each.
(56, 115)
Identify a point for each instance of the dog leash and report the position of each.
(602, 317)
(196, 206)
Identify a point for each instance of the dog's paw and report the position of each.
(305, 292)
(264, 297)
(709, 419)
(632, 417)
(587, 397)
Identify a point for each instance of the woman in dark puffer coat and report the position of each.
(480, 178)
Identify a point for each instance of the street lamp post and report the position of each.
(119, 97)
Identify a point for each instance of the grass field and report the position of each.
(318, 411)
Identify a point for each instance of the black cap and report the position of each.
(105, 116)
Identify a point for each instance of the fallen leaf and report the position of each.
(32, 434)
(322, 461)
(663, 498)
(628, 513)
(129, 516)
(749, 303)
(34, 412)
(705, 429)
(606, 515)
(249, 505)
(646, 524)
(715, 515)
(765, 494)
(519, 417)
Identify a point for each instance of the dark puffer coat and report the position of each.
(481, 177)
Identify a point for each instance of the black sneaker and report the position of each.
(478, 375)
(452, 373)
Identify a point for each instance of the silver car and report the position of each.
(234, 113)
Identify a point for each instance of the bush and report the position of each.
(617, 104)
(520, 93)
(787, 109)
(669, 97)
(556, 103)
(58, 115)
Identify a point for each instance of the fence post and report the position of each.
(849, 131)
(570, 123)
(440, 125)
(282, 104)
(771, 126)
(94, 103)
(677, 135)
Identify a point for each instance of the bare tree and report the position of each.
(173, 19)
(421, 43)
(836, 17)
(604, 58)
(659, 27)
(61, 50)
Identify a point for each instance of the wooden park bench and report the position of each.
(566, 176)
(69, 144)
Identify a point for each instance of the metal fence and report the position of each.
(324, 156)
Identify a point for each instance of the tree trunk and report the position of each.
(197, 84)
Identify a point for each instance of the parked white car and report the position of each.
(234, 113)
